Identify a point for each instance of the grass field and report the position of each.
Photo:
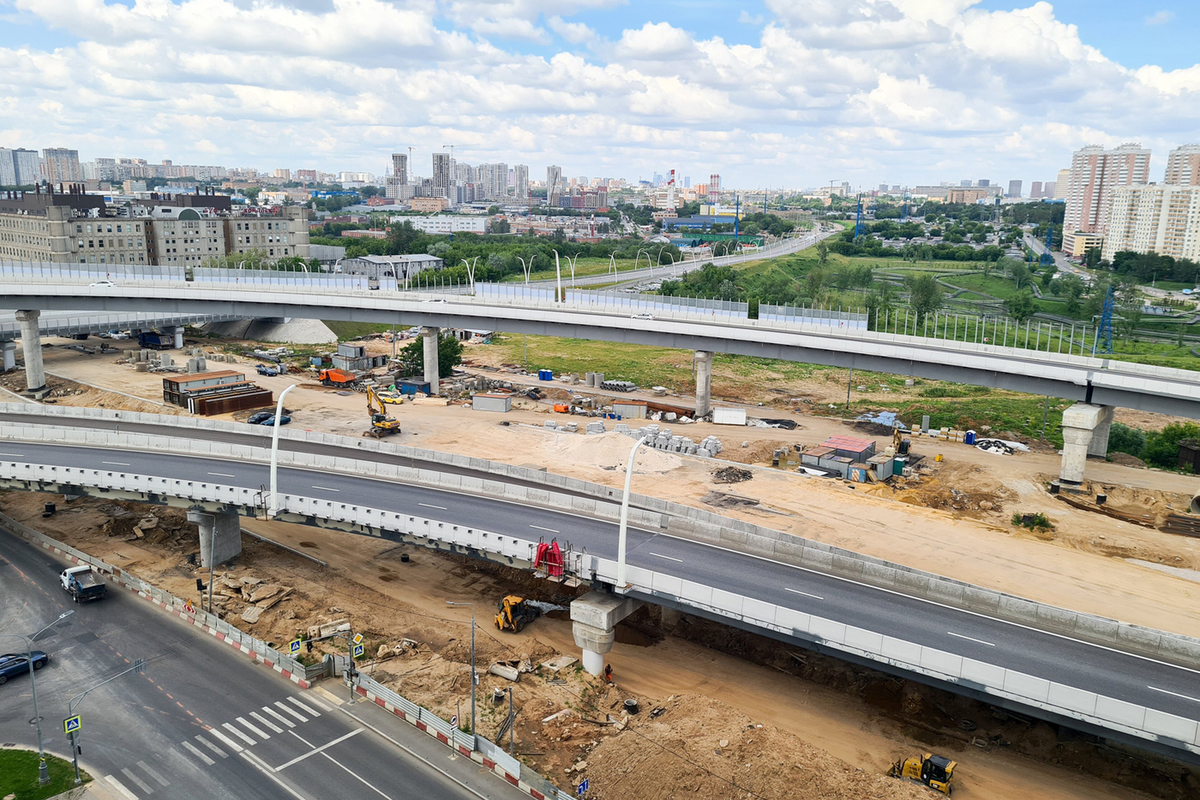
(583, 268)
(19, 775)
(346, 331)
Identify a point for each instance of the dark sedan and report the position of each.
(14, 664)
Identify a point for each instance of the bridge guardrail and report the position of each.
(671, 518)
(1061, 699)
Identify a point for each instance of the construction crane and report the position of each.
(858, 219)
(1047, 257)
(381, 424)
(1103, 344)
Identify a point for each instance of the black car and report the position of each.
(14, 664)
(260, 417)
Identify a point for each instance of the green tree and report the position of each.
(822, 252)
(925, 294)
(814, 281)
(879, 305)
(1162, 447)
(499, 226)
(1070, 288)
(1018, 272)
(412, 357)
(1021, 306)
(1124, 439)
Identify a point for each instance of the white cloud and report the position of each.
(907, 90)
(1160, 17)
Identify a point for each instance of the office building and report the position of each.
(62, 165)
(983, 183)
(443, 174)
(1183, 166)
(521, 181)
(1095, 174)
(1014, 188)
(1163, 219)
(1035, 190)
(553, 185)
(1062, 184)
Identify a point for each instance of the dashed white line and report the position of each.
(320, 749)
(668, 558)
(806, 594)
(1174, 694)
(426, 505)
(191, 748)
(540, 528)
(312, 712)
(263, 720)
(222, 474)
(326, 489)
(253, 729)
(211, 746)
(238, 734)
(116, 463)
(969, 639)
(146, 769)
(14, 455)
(120, 787)
(279, 716)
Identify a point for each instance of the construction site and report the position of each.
(690, 707)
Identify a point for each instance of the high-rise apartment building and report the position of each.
(1014, 188)
(1095, 174)
(1183, 166)
(1050, 190)
(443, 175)
(396, 185)
(1035, 190)
(553, 185)
(1062, 184)
(521, 181)
(714, 188)
(493, 180)
(1163, 219)
(8, 168)
(62, 165)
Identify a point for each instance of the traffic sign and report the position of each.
(454, 721)
(294, 645)
(72, 724)
(358, 650)
(583, 787)
(358, 638)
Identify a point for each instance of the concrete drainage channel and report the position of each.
(477, 748)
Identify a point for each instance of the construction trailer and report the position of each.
(501, 403)
(630, 409)
(210, 393)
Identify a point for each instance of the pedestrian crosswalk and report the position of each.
(219, 741)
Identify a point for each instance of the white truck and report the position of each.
(83, 583)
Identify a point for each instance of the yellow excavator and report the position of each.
(936, 772)
(517, 612)
(381, 424)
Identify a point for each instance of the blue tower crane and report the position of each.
(1103, 343)
(1048, 258)
(858, 219)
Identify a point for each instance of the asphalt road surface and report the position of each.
(203, 720)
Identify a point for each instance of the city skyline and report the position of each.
(863, 92)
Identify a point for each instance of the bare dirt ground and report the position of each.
(953, 520)
(740, 713)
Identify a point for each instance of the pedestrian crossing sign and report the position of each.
(72, 724)
(294, 645)
(358, 650)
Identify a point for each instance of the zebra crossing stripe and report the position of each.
(230, 743)
(120, 787)
(289, 710)
(211, 746)
(256, 731)
(312, 712)
(191, 748)
(263, 720)
(279, 716)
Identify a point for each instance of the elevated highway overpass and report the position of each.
(1122, 682)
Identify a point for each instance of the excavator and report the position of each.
(936, 772)
(381, 424)
(517, 612)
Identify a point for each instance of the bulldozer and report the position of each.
(381, 424)
(936, 772)
(517, 612)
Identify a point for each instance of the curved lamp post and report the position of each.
(274, 507)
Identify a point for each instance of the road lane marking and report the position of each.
(294, 713)
(120, 787)
(238, 734)
(196, 752)
(266, 722)
(258, 764)
(668, 558)
(540, 528)
(312, 712)
(320, 749)
(222, 474)
(317, 703)
(14, 455)
(146, 769)
(1174, 694)
(116, 463)
(356, 775)
(279, 716)
(145, 787)
(806, 594)
(256, 731)
(326, 489)
(211, 746)
(969, 639)
(426, 505)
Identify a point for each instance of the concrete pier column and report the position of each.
(1099, 443)
(31, 345)
(178, 337)
(1079, 421)
(703, 382)
(10, 356)
(430, 345)
(594, 618)
(220, 535)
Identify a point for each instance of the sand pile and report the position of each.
(607, 451)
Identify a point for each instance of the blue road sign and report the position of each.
(72, 724)
(358, 650)
(583, 787)
(294, 646)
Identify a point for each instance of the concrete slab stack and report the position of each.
(595, 428)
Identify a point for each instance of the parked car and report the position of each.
(270, 421)
(260, 417)
(103, 285)
(14, 664)
(263, 369)
(390, 397)
(435, 300)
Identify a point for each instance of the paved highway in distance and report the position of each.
(1123, 676)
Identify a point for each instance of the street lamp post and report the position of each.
(139, 667)
(472, 605)
(43, 770)
(274, 507)
(623, 529)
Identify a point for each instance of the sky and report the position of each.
(767, 93)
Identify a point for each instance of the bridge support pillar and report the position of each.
(10, 356)
(31, 346)
(220, 536)
(1080, 422)
(703, 382)
(178, 337)
(1099, 443)
(594, 618)
(431, 337)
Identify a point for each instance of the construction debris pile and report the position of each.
(732, 475)
(994, 446)
(661, 439)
